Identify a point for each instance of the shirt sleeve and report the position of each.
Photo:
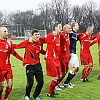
(93, 37)
(48, 38)
(61, 37)
(21, 44)
(79, 36)
(42, 39)
(43, 52)
(14, 53)
(94, 41)
(17, 55)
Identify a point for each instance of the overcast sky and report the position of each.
(13, 5)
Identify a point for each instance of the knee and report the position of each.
(41, 82)
(29, 84)
(55, 78)
(1, 85)
(90, 65)
(10, 84)
(77, 69)
(60, 76)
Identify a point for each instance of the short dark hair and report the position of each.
(34, 31)
(73, 24)
(56, 25)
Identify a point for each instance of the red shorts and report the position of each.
(53, 67)
(64, 64)
(6, 75)
(86, 59)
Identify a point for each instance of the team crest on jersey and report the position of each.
(57, 44)
(67, 39)
(37, 51)
(6, 46)
(84, 35)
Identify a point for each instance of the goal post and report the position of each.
(28, 33)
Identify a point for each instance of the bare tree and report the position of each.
(61, 11)
(47, 17)
(97, 20)
(88, 10)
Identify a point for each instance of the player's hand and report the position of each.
(69, 57)
(54, 33)
(30, 40)
(23, 59)
(44, 57)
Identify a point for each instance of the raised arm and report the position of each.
(48, 38)
(22, 44)
(14, 53)
(43, 51)
(95, 38)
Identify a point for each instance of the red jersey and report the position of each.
(53, 46)
(32, 51)
(85, 40)
(64, 44)
(6, 48)
(97, 39)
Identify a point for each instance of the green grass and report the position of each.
(82, 91)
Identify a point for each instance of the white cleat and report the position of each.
(6, 99)
(72, 84)
(61, 86)
(57, 88)
(68, 85)
(27, 98)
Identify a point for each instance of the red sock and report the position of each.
(1, 94)
(84, 71)
(51, 86)
(88, 72)
(58, 81)
(7, 92)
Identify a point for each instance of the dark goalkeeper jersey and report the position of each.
(73, 41)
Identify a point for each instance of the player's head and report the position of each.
(57, 27)
(75, 26)
(35, 35)
(89, 30)
(3, 33)
(67, 28)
